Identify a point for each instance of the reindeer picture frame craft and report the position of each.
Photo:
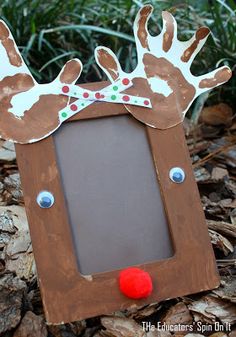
(113, 207)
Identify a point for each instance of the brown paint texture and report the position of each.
(142, 32)
(71, 71)
(220, 76)
(67, 296)
(200, 35)
(166, 111)
(108, 63)
(9, 45)
(169, 31)
(36, 122)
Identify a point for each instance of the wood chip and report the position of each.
(178, 314)
(12, 290)
(7, 151)
(122, 327)
(222, 227)
(227, 289)
(213, 309)
(12, 186)
(201, 175)
(220, 242)
(31, 325)
(148, 310)
(219, 173)
(18, 249)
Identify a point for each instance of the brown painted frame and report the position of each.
(69, 296)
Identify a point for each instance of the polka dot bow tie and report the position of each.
(112, 93)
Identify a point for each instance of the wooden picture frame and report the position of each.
(67, 295)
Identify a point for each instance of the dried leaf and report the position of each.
(220, 114)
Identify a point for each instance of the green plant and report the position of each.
(49, 32)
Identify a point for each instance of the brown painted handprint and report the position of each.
(163, 71)
(28, 110)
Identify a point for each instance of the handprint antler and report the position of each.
(163, 71)
(28, 110)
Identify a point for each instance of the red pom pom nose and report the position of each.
(135, 283)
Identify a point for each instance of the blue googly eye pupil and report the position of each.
(45, 202)
(45, 199)
(177, 175)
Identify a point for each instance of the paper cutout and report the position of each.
(87, 97)
(30, 111)
(163, 71)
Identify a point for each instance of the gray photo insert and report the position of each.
(112, 194)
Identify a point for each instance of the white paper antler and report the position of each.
(162, 85)
(163, 71)
(28, 110)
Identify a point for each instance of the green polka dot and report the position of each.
(113, 97)
(135, 101)
(64, 114)
(82, 104)
(115, 88)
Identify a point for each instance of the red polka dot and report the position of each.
(65, 89)
(125, 81)
(102, 96)
(97, 95)
(126, 98)
(73, 107)
(85, 94)
(146, 102)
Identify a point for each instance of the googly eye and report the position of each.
(177, 175)
(45, 199)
